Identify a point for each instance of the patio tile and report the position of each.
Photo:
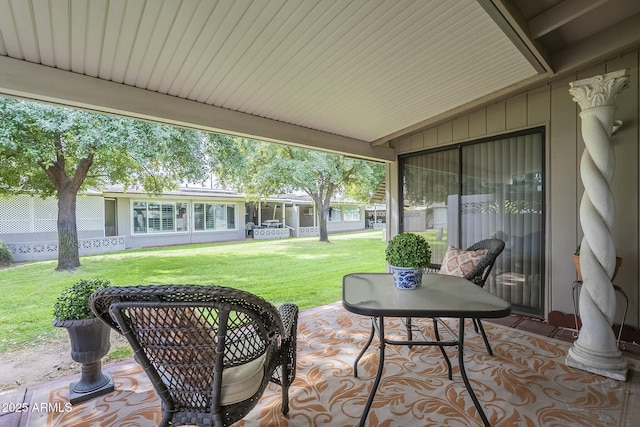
(564, 334)
(511, 320)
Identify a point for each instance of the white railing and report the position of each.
(37, 251)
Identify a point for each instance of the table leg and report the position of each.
(366, 346)
(444, 353)
(378, 375)
(463, 372)
(478, 323)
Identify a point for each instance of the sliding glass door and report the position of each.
(484, 189)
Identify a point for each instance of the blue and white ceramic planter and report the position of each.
(407, 278)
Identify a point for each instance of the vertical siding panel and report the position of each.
(404, 145)
(538, 101)
(516, 112)
(496, 118)
(416, 141)
(625, 185)
(125, 222)
(562, 199)
(445, 133)
(430, 137)
(461, 128)
(478, 123)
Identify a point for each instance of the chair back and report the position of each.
(481, 272)
(185, 337)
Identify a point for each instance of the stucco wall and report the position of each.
(551, 105)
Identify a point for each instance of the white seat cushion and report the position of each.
(241, 382)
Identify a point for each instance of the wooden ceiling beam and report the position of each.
(615, 40)
(560, 14)
(516, 28)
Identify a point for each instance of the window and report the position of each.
(214, 216)
(153, 220)
(139, 217)
(351, 213)
(159, 217)
(335, 213)
(488, 188)
(181, 217)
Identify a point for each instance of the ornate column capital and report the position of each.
(599, 91)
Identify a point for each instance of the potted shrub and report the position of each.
(89, 338)
(408, 254)
(576, 261)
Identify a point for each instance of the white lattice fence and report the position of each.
(15, 215)
(45, 215)
(29, 214)
(37, 251)
(90, 213)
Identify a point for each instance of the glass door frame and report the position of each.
(459, 147)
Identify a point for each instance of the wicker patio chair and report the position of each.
(209, 351)
(478, 275)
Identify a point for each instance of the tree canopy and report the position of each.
(54, 151)
(38, 140)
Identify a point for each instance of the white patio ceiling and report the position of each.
(334, 74)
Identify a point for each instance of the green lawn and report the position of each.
(301, 270)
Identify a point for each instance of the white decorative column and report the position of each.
(595, 350)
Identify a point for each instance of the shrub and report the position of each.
(6, 258)
(73, 302)
(408, 250)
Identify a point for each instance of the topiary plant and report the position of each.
(6, 257)
(408, 250)
(73, 302)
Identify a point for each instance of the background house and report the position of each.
(115, 219)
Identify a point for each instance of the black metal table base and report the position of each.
(459, 342)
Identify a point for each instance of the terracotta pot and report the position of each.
(576, 261)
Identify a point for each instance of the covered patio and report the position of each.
(525, 383)
(392, 81)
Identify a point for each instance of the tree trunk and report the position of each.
(323, 212)
(68, 254)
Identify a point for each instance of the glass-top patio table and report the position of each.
(374, 294)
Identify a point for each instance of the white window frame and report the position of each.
(175, 207)
(215, 214)
(351, 213)
(335, 214)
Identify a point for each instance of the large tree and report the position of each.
(54, 151)
(262, 169)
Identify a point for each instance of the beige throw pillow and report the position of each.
(458, 262)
